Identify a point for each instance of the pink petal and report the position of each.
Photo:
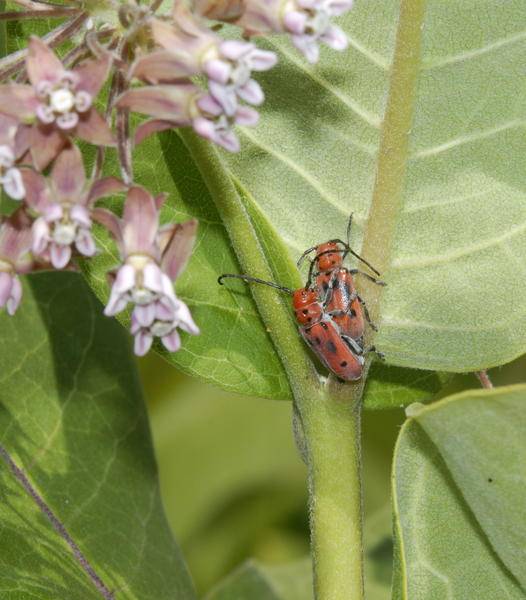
(6, 285)
(40, 236)
(307, 46)
(140, 220)
(143, 342)
(159, 200)
(109, 220)
(169, 102)
(295, 22)
(252, 93)
(60, 255)
(125, 279)
(208, 105)
(92, 128)
(186, 323)
(225, 96)
(145, 314)
(53, 212)
(105, 187)
(179, 249)
(147, 128)
(118, 304)
(13, 302)
(37, 191)
(93, 75)
(124, 282)
(8, 129)
(15, 236)
(152, 278)
(335, 38)
(234, 50)
(79, 214)
(169, 297)
(218, 70)
(85, 244)
(19, 101)
(160, 67)
(67, 175)
(246, 116)
(207, 129)
(172, 341)
(41, 62)
(163, 312)
(263, 60)
(339, 7)
(23, 139)
(47, 143)
(13, 184)
(135, 327)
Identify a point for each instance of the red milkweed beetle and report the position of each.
(319, 330)
(340, 298)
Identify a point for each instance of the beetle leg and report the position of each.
(354, 271)
(362, 302)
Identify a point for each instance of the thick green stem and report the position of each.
(329, 414)
(332, 433)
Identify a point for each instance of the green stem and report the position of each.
(332, 433)
(329, 414)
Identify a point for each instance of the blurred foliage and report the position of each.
(233, 484)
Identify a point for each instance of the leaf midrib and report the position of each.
(393, 148)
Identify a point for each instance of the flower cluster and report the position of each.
(153, 258)
(151, 61)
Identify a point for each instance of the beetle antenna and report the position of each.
(245, 278)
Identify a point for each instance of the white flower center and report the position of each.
(62, 100)
(142, 295)
(64, 233)
(161, 328)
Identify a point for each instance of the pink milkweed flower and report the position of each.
(58, 102)
(10, 177)
(191, 48)
(153, 257)
(309, 21)
(15, 244)
(64, 202)
(312, 24)
(182, 105)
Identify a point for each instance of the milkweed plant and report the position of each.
(153, 147)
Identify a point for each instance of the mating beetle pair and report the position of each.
(329, 312)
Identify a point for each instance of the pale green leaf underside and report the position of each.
(73, 417)
(455, 264)
(459, 464)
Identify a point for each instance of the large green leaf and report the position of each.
(459, 497)
(417, 129)
(72, 416)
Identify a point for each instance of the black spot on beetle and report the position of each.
(305, 311)
(333, 262)
(343, 364)
(347, 288)
(335, 283)
(324, 325)
(331, 347)
(318, 341)
(352, 312)
(325, 286)
(309, 319)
